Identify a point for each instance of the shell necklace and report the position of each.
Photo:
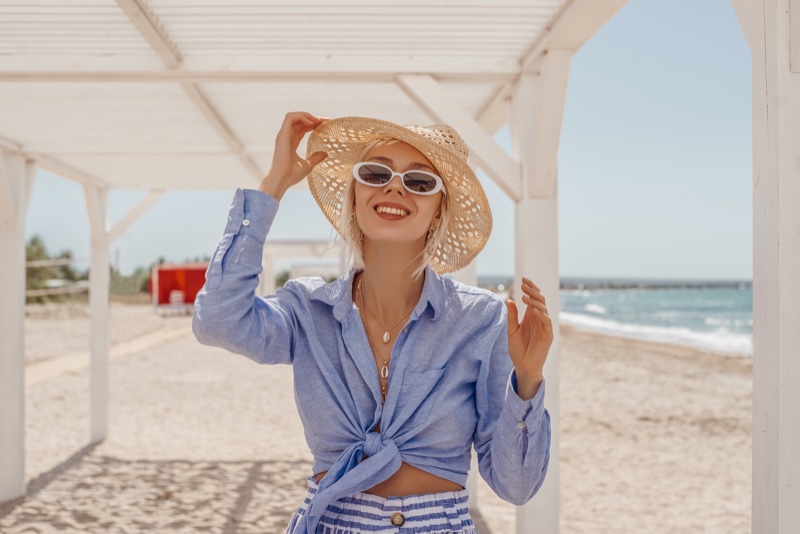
(386, 335)
(384, 371)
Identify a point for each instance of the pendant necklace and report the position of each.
(386, 335)
(384, 371)
(384, 374)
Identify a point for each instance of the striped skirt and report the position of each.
(433, 513)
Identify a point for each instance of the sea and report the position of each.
(714, 316)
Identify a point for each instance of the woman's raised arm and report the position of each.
(228, 313)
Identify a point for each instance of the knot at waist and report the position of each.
(349, 475)
(374, 444)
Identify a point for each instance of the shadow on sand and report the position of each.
(88, 493)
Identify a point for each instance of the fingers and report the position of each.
(512, 316)
(535, 304)
(300, 122)
(315, 159)
(535, 301)
(532, 290)
(302, 116)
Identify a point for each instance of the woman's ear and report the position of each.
(437, 218)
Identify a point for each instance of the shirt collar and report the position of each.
(339, 294)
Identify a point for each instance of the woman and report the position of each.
(397, 371)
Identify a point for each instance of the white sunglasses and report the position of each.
(417, 182)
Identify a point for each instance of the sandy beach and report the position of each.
(654, 438)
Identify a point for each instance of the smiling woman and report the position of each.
(397, 370)
(393, 199)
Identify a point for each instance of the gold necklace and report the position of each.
(384, 374)
(384, 371)
(386, 335)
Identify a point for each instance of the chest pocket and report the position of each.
(418, 394)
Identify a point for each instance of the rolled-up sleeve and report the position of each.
(227, 312)
(512, 436)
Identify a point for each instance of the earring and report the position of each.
(430, 244)
(355, 230)
(431, 231)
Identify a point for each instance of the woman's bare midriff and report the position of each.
(408, 480)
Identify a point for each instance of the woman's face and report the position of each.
(419, 211)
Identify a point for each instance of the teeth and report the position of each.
(391, 211)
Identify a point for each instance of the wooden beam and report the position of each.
(536, 257)
(493, 113)
(133, 214)
(156, 36)
(434, 100)
(17, 174)
(51, 164)
(572, 27)
(8, 209)
(223, 129)
(318, 68)
(96, 202)
(55, 166)
(152, 31)
(794, 35)
(745, 12)
(12, 314)
(296, 248)
(9, 145)
(30, 179)
(550, 97)
(776, 278)
(96, 211)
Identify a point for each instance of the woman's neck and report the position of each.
(387, 283)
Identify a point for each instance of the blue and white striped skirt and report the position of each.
(433, 513)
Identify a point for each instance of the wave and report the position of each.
(721, 342)
(595, 308)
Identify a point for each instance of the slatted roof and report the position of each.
(189, 94)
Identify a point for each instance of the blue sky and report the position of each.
(655, 164)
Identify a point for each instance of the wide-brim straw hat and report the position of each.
(344, 139)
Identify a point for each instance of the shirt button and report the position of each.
(405, 330)
(520, 425)
(398, 519)
(246, 222)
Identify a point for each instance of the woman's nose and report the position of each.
(396, 184)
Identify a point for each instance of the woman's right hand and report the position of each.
(288, 168)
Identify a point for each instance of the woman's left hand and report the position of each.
(529, 341)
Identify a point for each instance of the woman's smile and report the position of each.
(391, 211)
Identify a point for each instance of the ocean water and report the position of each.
(713, 319)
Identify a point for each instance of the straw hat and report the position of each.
(345, 138)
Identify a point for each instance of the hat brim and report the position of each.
(344, 139)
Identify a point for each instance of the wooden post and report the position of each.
(537, 108)
(98, 312)
(769, 26)
(16, 181)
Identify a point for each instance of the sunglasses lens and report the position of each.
(420, 182)
(375, 174)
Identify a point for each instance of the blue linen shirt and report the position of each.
(451, 380)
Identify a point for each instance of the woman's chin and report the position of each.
(391, 239)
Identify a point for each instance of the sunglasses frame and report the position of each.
(438, 179)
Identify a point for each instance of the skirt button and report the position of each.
(398, 519)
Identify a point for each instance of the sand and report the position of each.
(654, 438)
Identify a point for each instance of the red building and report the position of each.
(174, 286)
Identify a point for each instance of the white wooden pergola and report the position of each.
(166, 94)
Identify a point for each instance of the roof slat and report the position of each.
(81, 86)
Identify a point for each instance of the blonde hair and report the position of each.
(354, 237)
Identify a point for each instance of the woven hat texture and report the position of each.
(344, 139)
